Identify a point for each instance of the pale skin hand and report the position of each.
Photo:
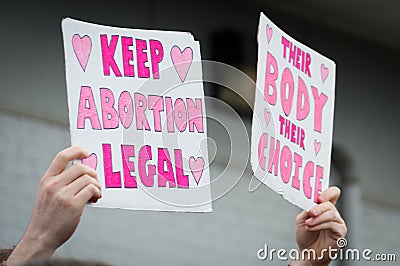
(320, 227)
(62, 195)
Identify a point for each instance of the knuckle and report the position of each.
(90, 180)
(331, 224)
(317, 210)
(344, 230)
(330, 205)
(87, 179)
(341, 220)
(50, 187)
(60, 199)
(95, 182)
(95, 174)
(335, 216)
(61, 156)
(65, 202)
(80, 168)
(93, 189)
(43, 182)
(300, 216)
(331, 214)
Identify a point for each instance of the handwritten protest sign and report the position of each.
(293, 116)
(136, 103)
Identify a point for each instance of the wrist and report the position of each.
(300, 263)
(307, 263)
(304, 261)
(29, 248)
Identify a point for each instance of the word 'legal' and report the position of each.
(146, 171)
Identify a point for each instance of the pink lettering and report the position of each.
(127, 152)
(143, 70)
(270, 79)
(157, 55)
(110, 115)
(108, 52)
(320, 101)
(112, 179)
(87, 109)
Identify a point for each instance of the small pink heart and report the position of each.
(269, 33)
(82, 48)
(196, 167)
(267, 117)
(317, 146)
(182, 60)
(91, 161)
(324, 72)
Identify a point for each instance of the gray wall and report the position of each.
(33, 128)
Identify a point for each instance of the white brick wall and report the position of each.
(240, 224)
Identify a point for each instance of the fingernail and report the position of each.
(309, 220)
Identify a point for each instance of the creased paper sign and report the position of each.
(136, 103)
(293, 116)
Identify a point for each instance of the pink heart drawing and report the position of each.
(324, 72)
(317, 146)
(91, 161)
(269, 33)
(82, 48)
(196, 167)
(182, 60)
(267, 117)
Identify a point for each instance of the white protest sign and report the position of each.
(136, 104)
(293, 116)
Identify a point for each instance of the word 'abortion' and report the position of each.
(137, 110)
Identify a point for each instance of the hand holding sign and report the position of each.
(321, 227)
(63, 188)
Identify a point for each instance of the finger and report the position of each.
(321, 208)
(89, 193)
(302, 217)
(337, 228)
(62, 159)
(328, 216)
(74, 172)
(79, 183)
(331, 194)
